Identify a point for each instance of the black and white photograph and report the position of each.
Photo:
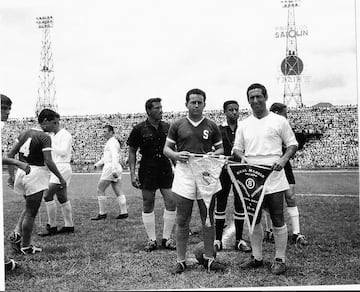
(179, 145)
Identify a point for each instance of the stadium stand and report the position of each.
(330, 135)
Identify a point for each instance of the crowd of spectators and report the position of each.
(335, 145)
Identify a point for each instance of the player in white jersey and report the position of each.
(259, 140)
(61, 141)
(111, 175)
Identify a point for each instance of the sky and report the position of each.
(111, 56)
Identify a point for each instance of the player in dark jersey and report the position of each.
(6, 103)
(193, 134)
(34, 147)
(155, 172)
(292, 209)
(228, 129)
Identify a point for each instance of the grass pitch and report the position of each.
(108, 255)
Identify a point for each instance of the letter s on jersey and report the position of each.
(206, 134)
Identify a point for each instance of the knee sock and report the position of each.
(280, 236)
(67, 214)
(208, 232)
(122, 203)
(219, 224)
(294, 219)
(182, 236)
(268, 222)
(51, 212)
(169, 221)
(239, 225)
(149, 223)
(256, 242)
(102, 204)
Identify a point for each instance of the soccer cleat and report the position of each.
(49, 231)
(30, 250)
(15, 240)
(11, 265)
(269, 236)
(180, 267)
(150, 245)
(218, 245)
(278, 267)
(122, 216)
(98, 217)
(252, 264)
(241, 245)
(66, 229)
(212, 265)
(299, 240)
(168, 243)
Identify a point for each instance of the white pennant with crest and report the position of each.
(206, 170)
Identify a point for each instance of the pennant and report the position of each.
(249, 181)
(206, 171)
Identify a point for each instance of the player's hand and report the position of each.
(183, 156)
(62, 183)
(278, 165)
(10, 181)
(135, 182)
(243, 160)
(115, 175)
(25, 167)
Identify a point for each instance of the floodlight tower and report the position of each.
(46, 90)
(292, 66)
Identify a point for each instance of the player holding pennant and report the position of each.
(258, 140)
(192, 134)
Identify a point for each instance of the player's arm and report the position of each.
(290, 151)
(52, 166)
(100, 162)
(11, 154)
(132, 165)
(115, 157)
(237, 151)
(170, 152)
(11, 161)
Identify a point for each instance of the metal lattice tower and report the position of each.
(46, 90)
(292, 66)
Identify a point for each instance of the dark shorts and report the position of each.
(155, 177)
(289, 173)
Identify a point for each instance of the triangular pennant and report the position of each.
(206, 170)
(249, 181)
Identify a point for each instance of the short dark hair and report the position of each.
(5, 100)
(277, 107)
(257, 86)
(149, 103)
(110, 128)
(226, 103)
(47, 114)
(195, 91)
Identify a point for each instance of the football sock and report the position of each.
(149, 223)
(102, 204)
(256, 242)
(182, 236)
(239, 224)
(122, 203)
(268, 222)
(51, 212)
(67, 214)
(209, 233)
(280, 237)
(219, 224)
(169, 221)
(294, 219)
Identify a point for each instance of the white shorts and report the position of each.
(107, 173)
(184, 183)
(28, 184)
(66, 172)
(277, 181)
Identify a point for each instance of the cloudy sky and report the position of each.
(110, 56)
